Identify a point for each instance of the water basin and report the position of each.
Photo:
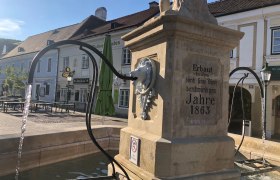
(90, 165)
(265, 176)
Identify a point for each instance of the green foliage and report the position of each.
(14, 82)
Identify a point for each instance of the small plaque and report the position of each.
(134, 149)
(202, 87)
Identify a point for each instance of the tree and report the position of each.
(14, 81)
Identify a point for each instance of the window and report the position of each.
(77, 94)
(85, 62)
(83, 95)
(75, 62)
(124, 98)
(63, 93)
(49, 42)
(39, 66)
(49, 65)
(231, 54)
(57, 98)
(65, 62)
(20, 49)
(47, 89)
(275, 42)
(37, 91)
(126, 56)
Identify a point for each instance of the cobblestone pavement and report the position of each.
(42, 122)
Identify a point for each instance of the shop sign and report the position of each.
(275, 73)
(81, 80)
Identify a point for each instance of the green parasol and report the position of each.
(105, 104)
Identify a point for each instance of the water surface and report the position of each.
(91, 165)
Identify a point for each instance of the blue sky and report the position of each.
(22, 18)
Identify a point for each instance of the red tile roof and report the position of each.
(226, 7)
(132, 20)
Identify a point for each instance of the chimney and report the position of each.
(101, 13)
(4, 49)
(153, 4)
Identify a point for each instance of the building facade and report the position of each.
(45, 74)
(260, 22)
(48, 74)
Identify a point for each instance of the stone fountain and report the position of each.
(178, 129)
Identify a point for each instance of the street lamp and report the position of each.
(69, 79)
(266, 74)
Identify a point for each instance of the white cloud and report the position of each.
(10, 27)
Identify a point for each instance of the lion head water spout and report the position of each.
(23, 127)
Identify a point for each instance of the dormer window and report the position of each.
(86, 31)
(55, 31)
(115, 25)
(20, 49)
(49, 42)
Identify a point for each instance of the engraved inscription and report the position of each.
(202, 91)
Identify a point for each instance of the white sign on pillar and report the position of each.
(134, 149)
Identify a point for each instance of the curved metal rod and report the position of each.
(260, 86)
(88, 115)
(74, 42)
(243, 113)
(251, 71)
(93, 88)
(90, 102)
(233, 96)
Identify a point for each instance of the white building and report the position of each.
(92, 30)
(46, 70)
(94, 35)
(260, 21)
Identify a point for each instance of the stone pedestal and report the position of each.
(185, 134)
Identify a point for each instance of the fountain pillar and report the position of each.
(185, 133)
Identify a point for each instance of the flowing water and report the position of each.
(23, 127)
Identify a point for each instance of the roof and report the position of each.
(38, 42)
(93, 26)
(10, 44)
(227, 7)
(132, 20)
(90, 26)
